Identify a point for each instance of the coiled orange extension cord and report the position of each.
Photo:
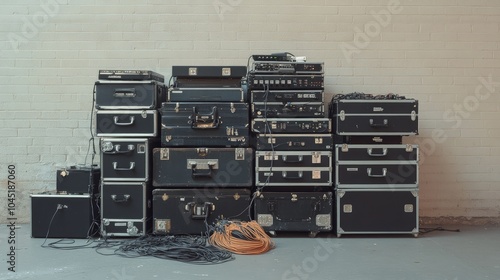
(244, 238)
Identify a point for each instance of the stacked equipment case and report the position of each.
(293, 165)
(203, 170)
(127, 122)
(376, 183)
(71, 211)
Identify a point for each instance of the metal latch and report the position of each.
(164, 154)
(413, 115)
(409, 148)
(342, 115)
(177, 107)
(144, 114)
(345, 148)
(239, 154)
(316, 158)
(226, 71)
(233, 109)
(408, 208)
(294, 197)
(199, 211)
(202, 151)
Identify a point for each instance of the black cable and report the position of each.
(428, 230)
(50, 225)
(192, 249)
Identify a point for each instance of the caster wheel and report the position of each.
(313, 234)
(339, 235)
(272, 233)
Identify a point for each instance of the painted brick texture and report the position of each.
(445, 53)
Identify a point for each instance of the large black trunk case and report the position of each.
(206, 95)
(291, 125)
(68, 215)
(129, 95)
(204, 124)
(185, 211)
(374, 117)
(287, 96)
(364, 211)
(125, 209)
(209, 71)
(128, 123)
(78, 180)
(369, 166)
(126, 159)
(293, 142)
(294, 211)
(288, 110)
(202, 167)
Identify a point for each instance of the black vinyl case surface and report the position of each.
(369, 166)
(204, 124)
(129, 95)
(364, 211)
(126, 159)
(74, 218)
(294, 211)
(78, 180)
(125, 209)
(185, 211)
(127, 123)
(294, 142)
(203, 167)
(374, 117)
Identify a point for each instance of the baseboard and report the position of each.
(472, 221)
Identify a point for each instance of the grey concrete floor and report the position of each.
(473, 253)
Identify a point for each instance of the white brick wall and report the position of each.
(433, 50)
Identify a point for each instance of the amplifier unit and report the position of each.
(283, 67)
(291, 125)
(130, 75)
(262, 82)
(288, 96)
(288, 110)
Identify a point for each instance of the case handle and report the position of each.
(384, 173)
(292, 159)
(372, 154)
(299, 176)
(385, 123)
(131, 166)
(205, 121)
(124, 92)
(109, 148)
(131, 121)
(124, 198)
(200, 212)
(195, 172)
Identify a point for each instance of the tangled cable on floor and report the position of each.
(192, 249)
(244, 238)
